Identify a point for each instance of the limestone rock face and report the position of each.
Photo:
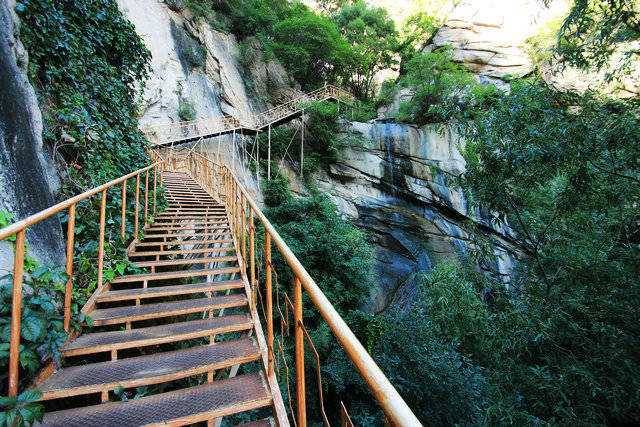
(397, 186)
(218, 86)
(489, 36)
(27, 179)
(388, 185)
(161, 30)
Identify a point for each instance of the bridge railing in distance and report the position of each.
(188, 130)
(243, 213)
(293, 106)
(181, 131)
(19, 228)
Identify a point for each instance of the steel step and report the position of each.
(174, 274)
(141, 337)
(183, 252)
(134, 313)
(165, 291)
(150, 369)
(180, 407)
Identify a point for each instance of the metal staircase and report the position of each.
(208, 313)
(188, 324)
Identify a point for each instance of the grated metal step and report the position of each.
(145, 370)
(187, 406)
(175, 274)
(134, 313)
(140, 337)
(165, 291)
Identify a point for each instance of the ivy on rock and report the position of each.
(86, 62)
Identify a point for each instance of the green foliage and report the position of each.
(196, 55)
(324, 126)
(436, 80)
(21, 409)
(310, 47)
(332, 250)
(176, 5)
(41, 328)
(373, 40)
(596, 31)
(277, 191)
(85, 60)
(563, 169)
(335, 254)
(186, 110)
(540, 46)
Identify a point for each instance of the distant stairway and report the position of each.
(185, 317)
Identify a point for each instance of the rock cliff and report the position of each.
(27, 177)
(490, 36)
(396, 184)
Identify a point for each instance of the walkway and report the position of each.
(191, 295)
(176, 133)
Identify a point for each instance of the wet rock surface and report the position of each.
(398, 185)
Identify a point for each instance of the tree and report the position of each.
(596, 30)
(373, 40)
(564, 172)
(310, 47)
(435, 79)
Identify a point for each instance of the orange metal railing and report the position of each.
(181, 131)
(220, 181)
(19, 229)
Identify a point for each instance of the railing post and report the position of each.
(252, 254)
(155, 170)
(236, 213)
(124, 206)
(71, 230)
(135, 233)
(146, 196)
(244, 233)
(103, 208)
(300, 382)
(16, 313)
(267, 250)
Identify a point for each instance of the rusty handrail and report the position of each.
(46, 213)
(19, 229)
(393, 405)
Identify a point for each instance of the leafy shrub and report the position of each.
(277, 191)
(196, 55)
(191, 53)
(562, 168)
(373, 41)
(176, 5)
(85, 59)
(186, 110)
(86, 62)
(436, 80)
(309, 46)
(22, 411)
(335, 254)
